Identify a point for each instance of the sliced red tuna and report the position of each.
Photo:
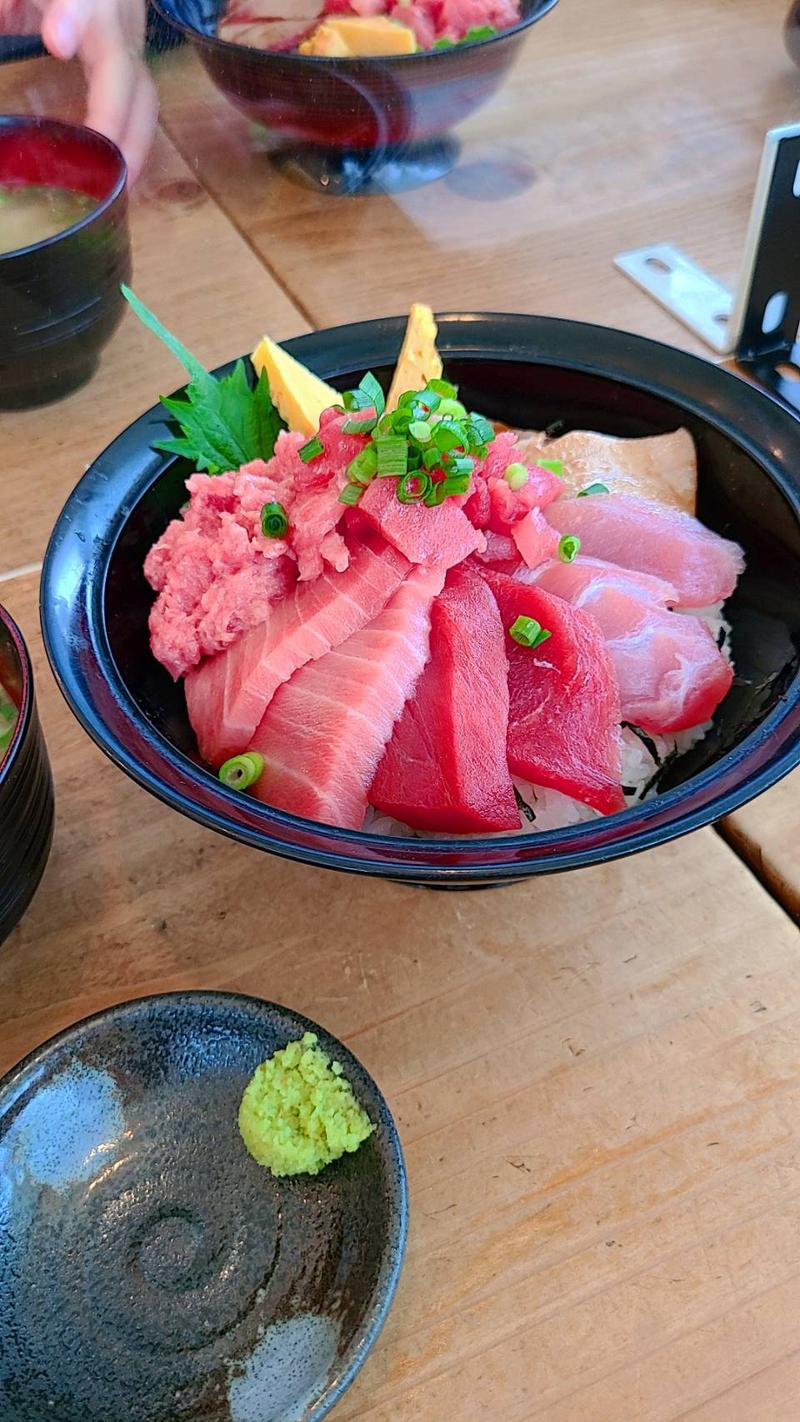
(651, 538)
(445, 767)
(500, 553)
(324, 733)
(423, 535)
(227, 695)
(536, 540)
(670, 671)
(564, 715)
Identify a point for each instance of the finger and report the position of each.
(112, 78)
(141, 125)
(64, 26)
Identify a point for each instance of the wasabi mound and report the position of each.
(298, 1113)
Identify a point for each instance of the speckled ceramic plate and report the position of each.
(150, 1271)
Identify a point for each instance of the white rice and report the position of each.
(549, 809)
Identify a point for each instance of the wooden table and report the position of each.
(596, 1076)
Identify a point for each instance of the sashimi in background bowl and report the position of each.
(527, 372)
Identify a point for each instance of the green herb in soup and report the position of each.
(32, 212)
(8, 720)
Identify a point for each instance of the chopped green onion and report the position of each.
(361, 470)
(401, 419)
(420, 431)
(555, 466)
(274, 523)
(311, 450)
(370, 387)
(459, 464)
(528, 632)
(360, 422)
(436, 494)
(242, 771)
(592, 489)
(516, 476)
(392, 456)
(443, 388)
(456, 484)
(452, 407)
(429, 400)
(351, 493)
(431, 457)
(449, 434)
(480, 431)
(356, 400)
(569, 547)
(413, 488)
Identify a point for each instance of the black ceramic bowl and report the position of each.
(527, 371)
(60, 299)
(26, 786)
(352, 123)
(150, 1268)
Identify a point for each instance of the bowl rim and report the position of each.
(538, 10)
(729, 404)
(75, 130)
(26, 696)
(393, 1253)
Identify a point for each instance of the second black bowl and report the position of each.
(26, 785)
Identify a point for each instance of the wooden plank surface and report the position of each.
(621, 125)
(595, 1077)
(767, 834)
(189, 263)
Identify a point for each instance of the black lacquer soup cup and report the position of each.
(60, 299)
(529, 372)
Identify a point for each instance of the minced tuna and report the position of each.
(217, 574)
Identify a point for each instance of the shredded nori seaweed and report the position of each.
(649, 745)
(524, 808)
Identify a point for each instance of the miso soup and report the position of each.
(32, 212)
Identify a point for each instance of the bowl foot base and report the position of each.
(347, 172)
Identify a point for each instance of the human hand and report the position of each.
(107, 36)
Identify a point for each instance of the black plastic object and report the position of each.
(14, 47)
(767, 347)
(151, 1269)
(529, 372)
(60, 299)
(26, 786)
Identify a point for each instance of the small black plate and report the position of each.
(152, 1272)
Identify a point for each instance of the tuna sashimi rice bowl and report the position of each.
(390, 614)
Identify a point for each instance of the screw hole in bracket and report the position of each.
(774, 312)
(657, 264)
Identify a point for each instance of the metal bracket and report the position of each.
(759, 323)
